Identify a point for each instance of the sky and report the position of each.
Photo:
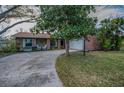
(24, 27)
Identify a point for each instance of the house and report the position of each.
(26, 41)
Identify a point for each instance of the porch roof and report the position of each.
(30, 35)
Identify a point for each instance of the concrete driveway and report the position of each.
(32, 69)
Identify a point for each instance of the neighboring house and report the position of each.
(27, 41)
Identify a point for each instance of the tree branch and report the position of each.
(5, 13)
(2, 20)
(6, 29)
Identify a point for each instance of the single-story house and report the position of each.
(27, 41)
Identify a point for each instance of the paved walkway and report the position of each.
(32, 69)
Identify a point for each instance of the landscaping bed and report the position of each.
(96, 69)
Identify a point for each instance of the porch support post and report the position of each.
(48, 43)
(59, 44)
(18, 44)
(33, 42)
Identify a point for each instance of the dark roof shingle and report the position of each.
(30, 35)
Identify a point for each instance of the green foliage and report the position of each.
(66, 22)
(109, 34)
(106, 44)
(10, 47)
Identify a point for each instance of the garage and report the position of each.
(76, 44)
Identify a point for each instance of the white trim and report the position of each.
(23, 43)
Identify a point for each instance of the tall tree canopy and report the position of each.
(66, 22)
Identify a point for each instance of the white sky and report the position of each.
(25, 27)
(20, 27)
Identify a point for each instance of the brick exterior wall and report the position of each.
(92, 43)
(48, 43)
(33, 42)
(19, 44)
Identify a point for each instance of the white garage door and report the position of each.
(76, 44)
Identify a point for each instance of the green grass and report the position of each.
(96, 69)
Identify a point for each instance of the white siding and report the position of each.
(76, 44)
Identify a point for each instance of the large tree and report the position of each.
(66, 22)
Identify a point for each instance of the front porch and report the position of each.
(38, 44)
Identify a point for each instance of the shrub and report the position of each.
(10, 47)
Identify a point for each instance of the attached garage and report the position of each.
(90, 44)
(76, 44)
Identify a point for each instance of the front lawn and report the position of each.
(95, 69)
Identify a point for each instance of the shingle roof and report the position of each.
(30, 35)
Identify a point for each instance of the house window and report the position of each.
(28, 42)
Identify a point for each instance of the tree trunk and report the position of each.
(67, 47)
(84, 47)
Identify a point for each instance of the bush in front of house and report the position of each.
(10, 47)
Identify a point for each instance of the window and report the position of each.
(28, 42)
